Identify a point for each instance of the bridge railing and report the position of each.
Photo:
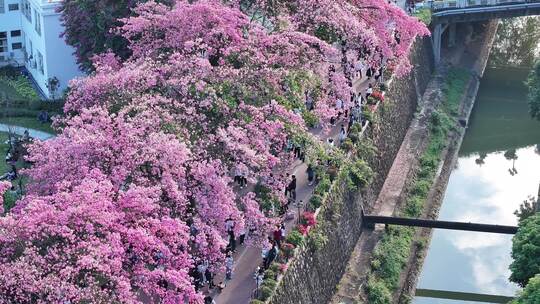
(456, 4)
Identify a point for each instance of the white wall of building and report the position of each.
(10, 40)
(45, 53)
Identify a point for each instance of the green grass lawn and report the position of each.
(3, 151)
(28, 122)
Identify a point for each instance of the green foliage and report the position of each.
(533, 83)
(265, 293)
(509, 51)
(368, 115)
(457, 79)
(347, 145)
(264, 195)
(317, 239)
(378, 292)
(531, 293)
(311, 119)
(295, 238)
(323, 186)
(22, 86)
(424, 15)
(414, 206)
(527, 208)
(421, 187)
(274, 267)
(9, 71)
(393, 253)
(526, 251)
(315, 202)
(327, 33)
(355, 132)
(255, 301)
(269, 282)
(269, 275)
(359, 174)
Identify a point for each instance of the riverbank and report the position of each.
(449, 156)
(380, 264)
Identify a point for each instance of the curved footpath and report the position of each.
(20, 131)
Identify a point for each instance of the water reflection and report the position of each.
(498, 168)
(478, 262)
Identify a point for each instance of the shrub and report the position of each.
(414, 206)
(270, 283)
(265, 293)
(378, 293)
(274, 267)
(347, 145)
(255, 301)
(295, 238)
(269, 274)
(315, 202)
(424, 15)
(359, 174)
(317, 239)
(323, 186)
(308, 219)
(354, 132)
(9, 71)
(310, 119)
(288, 250)
(421, 188)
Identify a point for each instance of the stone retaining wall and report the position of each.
(313, 275)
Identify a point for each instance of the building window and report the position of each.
(13, 7)
(16, 33)
(27, 10)
(16, 46)
(3, 42)
(40, 62)
(2, 7)
(37, 17)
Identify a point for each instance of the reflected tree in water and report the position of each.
(481, 159)
(509, 51)
(511, 155)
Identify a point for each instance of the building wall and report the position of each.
(45, 54)
(10, 20)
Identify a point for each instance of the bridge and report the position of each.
(369, 221)
(447, 13)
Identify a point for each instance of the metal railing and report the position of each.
(460, 4)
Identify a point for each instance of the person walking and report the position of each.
(287, 190)
(369, 91)
(342, 135)
(310, 174)
(229, 263)
(272, 254)
(292, 188)
(277, 235)
(229, 227)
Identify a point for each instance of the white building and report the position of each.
(30, 36)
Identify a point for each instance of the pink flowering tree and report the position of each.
(136, 189)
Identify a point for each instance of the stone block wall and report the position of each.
(313, 275)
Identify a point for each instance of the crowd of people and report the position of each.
(346, 117)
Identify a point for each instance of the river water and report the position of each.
(497, 169)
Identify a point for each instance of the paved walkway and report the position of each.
(20, 131)
(240, 289)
